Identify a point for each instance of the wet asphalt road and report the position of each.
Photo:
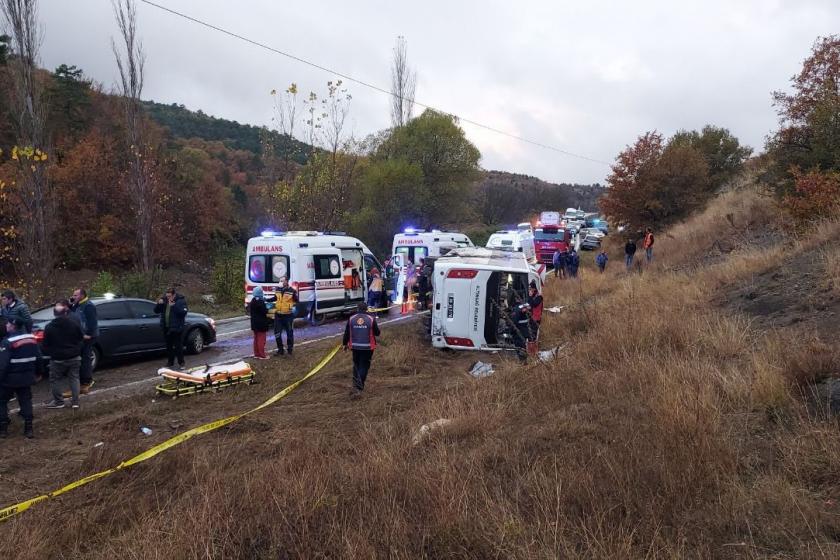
(234, 342)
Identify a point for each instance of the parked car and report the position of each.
(130, 326)
(589, 241)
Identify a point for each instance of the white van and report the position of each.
(474, 291)
(413, 245)
(330, 270)
(516, 240)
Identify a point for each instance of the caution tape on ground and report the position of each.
(16, 509)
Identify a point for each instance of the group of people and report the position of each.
(67, 343)
(565, 264)
(279, 314)
(630, 249)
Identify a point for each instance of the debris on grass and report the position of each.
(482, 369)
(426, 429)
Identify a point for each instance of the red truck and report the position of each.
(548, 239)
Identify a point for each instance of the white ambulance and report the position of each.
(330, 270)
(413, 245)
(474, 291)
(520, 240)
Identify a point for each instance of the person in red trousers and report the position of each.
(260, 323)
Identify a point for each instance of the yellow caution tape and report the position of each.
(16, 509)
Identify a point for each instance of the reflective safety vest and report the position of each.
(285, 302)
(361, 332)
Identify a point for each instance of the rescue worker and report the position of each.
(12, 308)
(20, 363)
(258, 311)
(601, 261)
(360, 336)
(521, 335)
(535, 302)
(172, 308)
(85, 312)
(648, 245)
(377, 286)
(63, 339)
(284, 316)
(629, 252)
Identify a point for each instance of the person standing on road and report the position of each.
(601, 261)
(63, 339)
(360, 336)
(12, 308)
(258, 312)
(629, 252)
(172, 308)
(648, 245)
(284, 316)
(20, 364)
(85, 312)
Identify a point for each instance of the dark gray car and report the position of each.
(130, 326)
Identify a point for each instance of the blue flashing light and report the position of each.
(268, 233)
(409, 230)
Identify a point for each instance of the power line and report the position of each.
(368, 84)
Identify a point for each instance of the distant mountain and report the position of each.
(505, 198)
(184, 123)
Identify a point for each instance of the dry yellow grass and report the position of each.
(667, 427)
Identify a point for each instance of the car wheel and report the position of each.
(195, 341)
(95, 358)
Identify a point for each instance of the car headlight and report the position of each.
(212, 322)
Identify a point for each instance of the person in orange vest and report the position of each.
(648, 245)
(360, 334)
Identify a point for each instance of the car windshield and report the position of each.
(550, 235)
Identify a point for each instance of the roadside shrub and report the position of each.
(142, 284)
(816, 196)
(104, 283)
(226, 277)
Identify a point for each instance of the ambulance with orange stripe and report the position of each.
(330, 270)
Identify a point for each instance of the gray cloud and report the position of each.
(586, 77)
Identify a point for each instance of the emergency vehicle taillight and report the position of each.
(458, 341)
(462, 273)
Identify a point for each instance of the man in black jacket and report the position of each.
(173, 316)
(20, 362)
(12, 308)
(629, 252)
(63, 339)
(85, 312)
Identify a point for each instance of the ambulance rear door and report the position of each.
(329, 283)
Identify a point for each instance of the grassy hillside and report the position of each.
(184, 123)
(686, 416)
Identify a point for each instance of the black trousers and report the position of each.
(24, 397)
(284, 323)
(86, 367)
(361, 366)
(174, 347)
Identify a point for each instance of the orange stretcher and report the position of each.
(203, 378)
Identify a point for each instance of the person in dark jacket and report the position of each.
(172, 308)
(535, 302)
(522, 324)
(20, 363)
(63, 338)
(284, 316)
(12, 308)
(258, 311)
(629, 252)
(360, 334)
(573, 261)
(558, 261)
(601, 261)
(85, 312)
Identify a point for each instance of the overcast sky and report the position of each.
(587, 77)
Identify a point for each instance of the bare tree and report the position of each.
(403, 82)
(36, 215)
(130, 63)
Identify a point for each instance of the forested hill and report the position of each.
(184, 123)
(510, 197)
